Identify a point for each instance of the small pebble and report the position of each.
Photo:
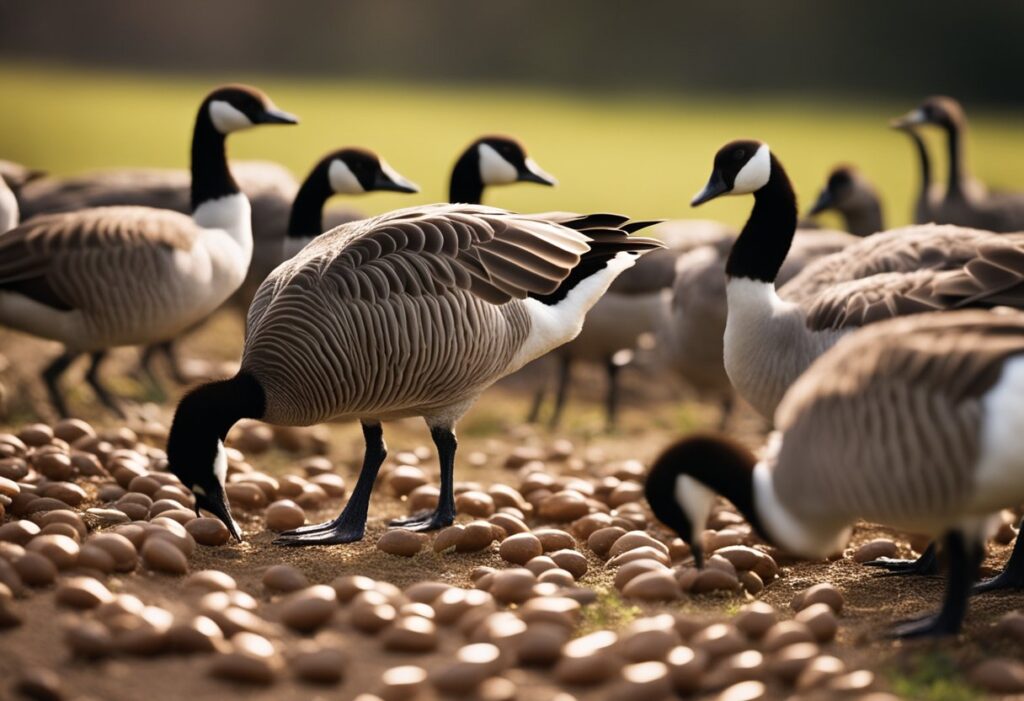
(686, 668)
(875, 549)
(411, 634)
(402, 542)
(656, 585)
(513, 585)
(161, 555)
(252, 660)
(589, 659)
(601, 540)
(402, 683)
(61, 550)
(476, 536)
(520, 548)
(284, 578)
(196, 635)
(308, 609)
(284, 515)
(322, 665)
(755, 619)
(999, 675)
(821, 620)
(82, 593)
(636, 539)
(35, 570)
(210, 580)
(820, 593)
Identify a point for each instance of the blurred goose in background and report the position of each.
(412, 313)
(914, 423)
(17, 175)
(9, 213)
(771, 337)
(110, 276)
(349, 171)
(929, 195)
(964, 203)
(493, 160)
(856, 200)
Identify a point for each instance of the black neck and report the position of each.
(205, 415)
(764, 243)
(955, 132)
(211, 177)
(307, 218)
(925, 162)
(467, 187)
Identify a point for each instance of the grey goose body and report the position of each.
(412, 313)
(108, 276)
(771, 337)
(915, 423)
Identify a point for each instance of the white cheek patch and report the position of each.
(696, 500)
(343, 180)
(755, 173)
(220, 464)
(226, 118)
(494, 169)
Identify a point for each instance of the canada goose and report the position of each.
(411, 313)
(492, 160)
(913, 422)
(771, 338)
(110, 276)
(848, 192)
(632, 307)
(964, 203)
(690, 335)
(349, 171)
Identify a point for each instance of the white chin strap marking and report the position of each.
(226, 118)
(220, 464)
(755, 173)
(494, 169)
(343, 180)
(695, 499)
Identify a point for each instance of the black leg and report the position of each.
(926, 565)
(444, 515)
(564, 376)
(538, 402)
(612, 401)
(350, 525)
(726, 408)
(146, 365)
(51, 375)
(92, 376)
(1012, 576)
(170, 352)
(964, 559)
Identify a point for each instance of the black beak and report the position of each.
(530, 172)
(911, 118)
(394, 183)
(216, 502)
(823, 202)
(716, 186)
(272, 115)
(698, 554)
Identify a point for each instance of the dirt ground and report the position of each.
(653, 414)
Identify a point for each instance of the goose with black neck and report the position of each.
(772, 337)
(77, 277)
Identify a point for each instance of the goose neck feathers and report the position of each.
(211, 177)
(306, 219)
(466, 186)
(762, 246)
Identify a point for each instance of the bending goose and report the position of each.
(850, 194)
(966, 203)
(771, 337)
(412, 313)
(913, 422)
(349, 171)
(110, 276)
(492, 160)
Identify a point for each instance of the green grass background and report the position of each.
(642, 155)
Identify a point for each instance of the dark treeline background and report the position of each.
(973, 49)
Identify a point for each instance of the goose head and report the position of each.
(353, 171)
(682, 485)
(938, 110)
(845, 190)
(232, 108)
(16, 175)
(741, 167)
(503, 160)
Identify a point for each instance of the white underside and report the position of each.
(190, 284)
(553, 325)
(999, 476)
(8, 208)
(615, 323)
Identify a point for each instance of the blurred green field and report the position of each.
(640, 155)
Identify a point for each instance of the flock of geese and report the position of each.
(890, 362)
